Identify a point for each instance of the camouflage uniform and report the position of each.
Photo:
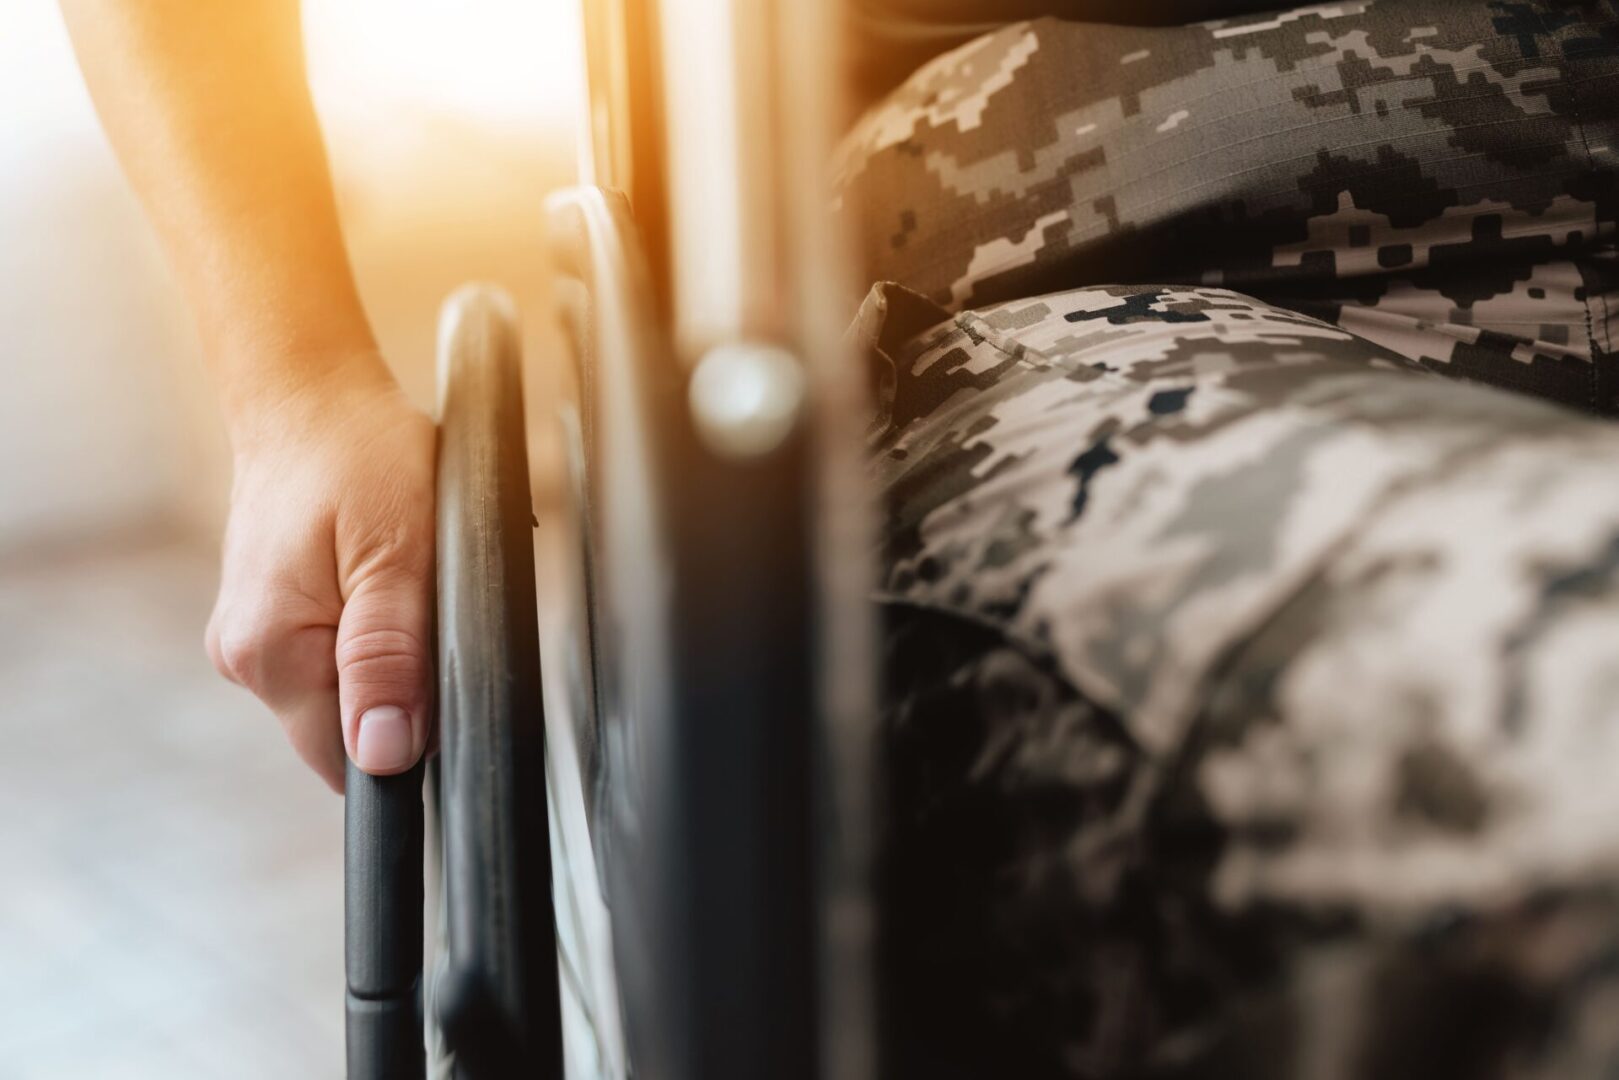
(1251, 690)
(1439, 176)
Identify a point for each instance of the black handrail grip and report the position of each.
(382, 924)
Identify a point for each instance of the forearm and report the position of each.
(208, 108)
(325, 596)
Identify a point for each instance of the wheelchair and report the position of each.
(708, 793)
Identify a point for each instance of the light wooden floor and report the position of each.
(170, 876)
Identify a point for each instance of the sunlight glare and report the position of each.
(509, 63)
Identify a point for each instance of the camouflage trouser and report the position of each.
(1252, 693)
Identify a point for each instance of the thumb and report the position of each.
(384, 672)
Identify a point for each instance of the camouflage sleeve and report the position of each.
(1252, 700)
(1440, 176)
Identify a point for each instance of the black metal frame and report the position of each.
(718, 636)
(700, 622)
(382, 902)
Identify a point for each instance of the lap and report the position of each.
(1248, 687)
(1231, 655)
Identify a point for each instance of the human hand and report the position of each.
(326, 590)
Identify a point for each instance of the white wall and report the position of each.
(96, 427)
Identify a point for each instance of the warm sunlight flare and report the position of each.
(498, 61)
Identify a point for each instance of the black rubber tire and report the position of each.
(497, 1001)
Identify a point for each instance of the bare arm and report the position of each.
(324, 606)
(209, 111)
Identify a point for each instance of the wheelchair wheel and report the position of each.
(495, 995)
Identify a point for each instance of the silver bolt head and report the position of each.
(746, 398)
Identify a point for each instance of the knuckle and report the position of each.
(210, 645)
(381, 653)
(241, 659)
(222, 666)
(242, 655)
(243, 643)
(394, 545)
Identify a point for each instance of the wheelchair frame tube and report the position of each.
(739, 881)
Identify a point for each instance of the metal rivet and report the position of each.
(745, 398)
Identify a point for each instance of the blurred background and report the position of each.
(170, 877)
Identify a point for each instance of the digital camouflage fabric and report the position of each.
(1252, 693)
(1440, 176)
(1252, 700)
(888, 39)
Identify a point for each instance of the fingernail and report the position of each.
(384, 743)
